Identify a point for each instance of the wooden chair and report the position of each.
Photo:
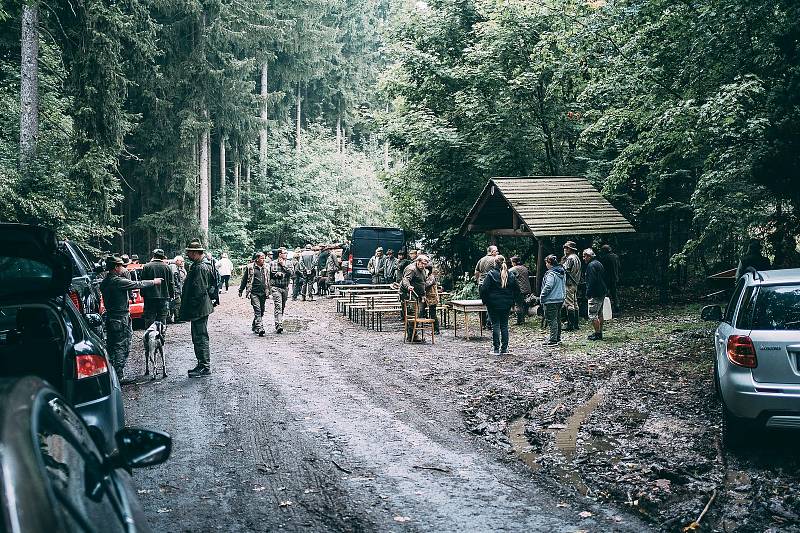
(412, 309)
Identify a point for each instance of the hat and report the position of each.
(112, 261)
(195, 246)
(571, 245)
(308, 246)
(125, 259)
(159, 253)
(389, 251)
(379, 249)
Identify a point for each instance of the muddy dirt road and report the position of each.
(333, 427)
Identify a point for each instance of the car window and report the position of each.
(731, 308)
(71, 464)
(745, 316)
(773, 308)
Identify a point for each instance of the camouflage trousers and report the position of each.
(571, 298)
(118, 340)
(279, 297)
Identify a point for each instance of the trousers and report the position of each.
(155, 309)
(202, 348)
(258, 301)
(279, 297)
(552, 317)
(571, 298)
(118, 340)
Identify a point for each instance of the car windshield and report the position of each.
(773, 308)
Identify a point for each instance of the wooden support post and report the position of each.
(539, 266)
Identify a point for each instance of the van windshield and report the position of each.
(773, 308)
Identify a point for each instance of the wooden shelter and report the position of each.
(543, 206)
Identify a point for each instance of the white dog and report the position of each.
(154, 346)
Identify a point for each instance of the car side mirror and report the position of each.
(140, 448)
(94, 320)
(711, 313)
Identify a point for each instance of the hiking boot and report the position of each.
(494, 352)
(261, 332)
(199, 371)
(279, 328)
(595, 337)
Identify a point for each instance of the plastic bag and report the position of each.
(607, 312)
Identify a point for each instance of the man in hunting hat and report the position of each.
(572, 265)
(115, 287)
(156, 298)
(196, 305)
(256, 283)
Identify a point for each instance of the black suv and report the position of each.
(43, 334)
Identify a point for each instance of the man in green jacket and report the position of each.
(196, 306)
(115, 287)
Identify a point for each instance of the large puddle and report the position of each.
(566, 440)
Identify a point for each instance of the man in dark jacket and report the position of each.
(156, 298)
(524, 282)
(196, 306)
(115, 287)
(596, 292)
(753, 258)
(611, 265)
(279, 274)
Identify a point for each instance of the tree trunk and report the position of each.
(339, 134)
(222, 170)
(297, 135)
(204, 182)
(236, 165)
(263, 132)
(247, 178)
(29, 85)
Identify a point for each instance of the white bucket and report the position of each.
(607, 314)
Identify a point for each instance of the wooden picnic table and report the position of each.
(466, 307)
(359, 287)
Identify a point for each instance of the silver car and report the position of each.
(757, 354)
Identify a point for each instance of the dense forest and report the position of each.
(142, 122)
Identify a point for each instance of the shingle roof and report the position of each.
(548, 206)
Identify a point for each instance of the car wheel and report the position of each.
(736, 432)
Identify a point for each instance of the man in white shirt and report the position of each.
(224, 267)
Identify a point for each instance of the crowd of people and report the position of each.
(503, 287)
(171, 291)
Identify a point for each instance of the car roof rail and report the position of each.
(756, 274)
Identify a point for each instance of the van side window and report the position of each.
(728, 316)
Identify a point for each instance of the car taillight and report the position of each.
(88, 365)
(76, 299)
(741, 351)
(350, 264)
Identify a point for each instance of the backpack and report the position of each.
(213, 284)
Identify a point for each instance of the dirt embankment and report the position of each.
(635, 421)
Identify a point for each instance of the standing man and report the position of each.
(752, 258)
(595, 292)
(114, 288)
(332, 266)
(484, 266)
(307, 267)
(256, 282)
(402, 263)
(178, 278)
(225, 268)
(375, 266)
(552, 298)
(196, 305)
(611, 264)
(297, 278)
(524, 282)
(157, 297)
(572, 268)
(389, 267)
(280, 272)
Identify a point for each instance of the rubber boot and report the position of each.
(575, 320)
(570, 325)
